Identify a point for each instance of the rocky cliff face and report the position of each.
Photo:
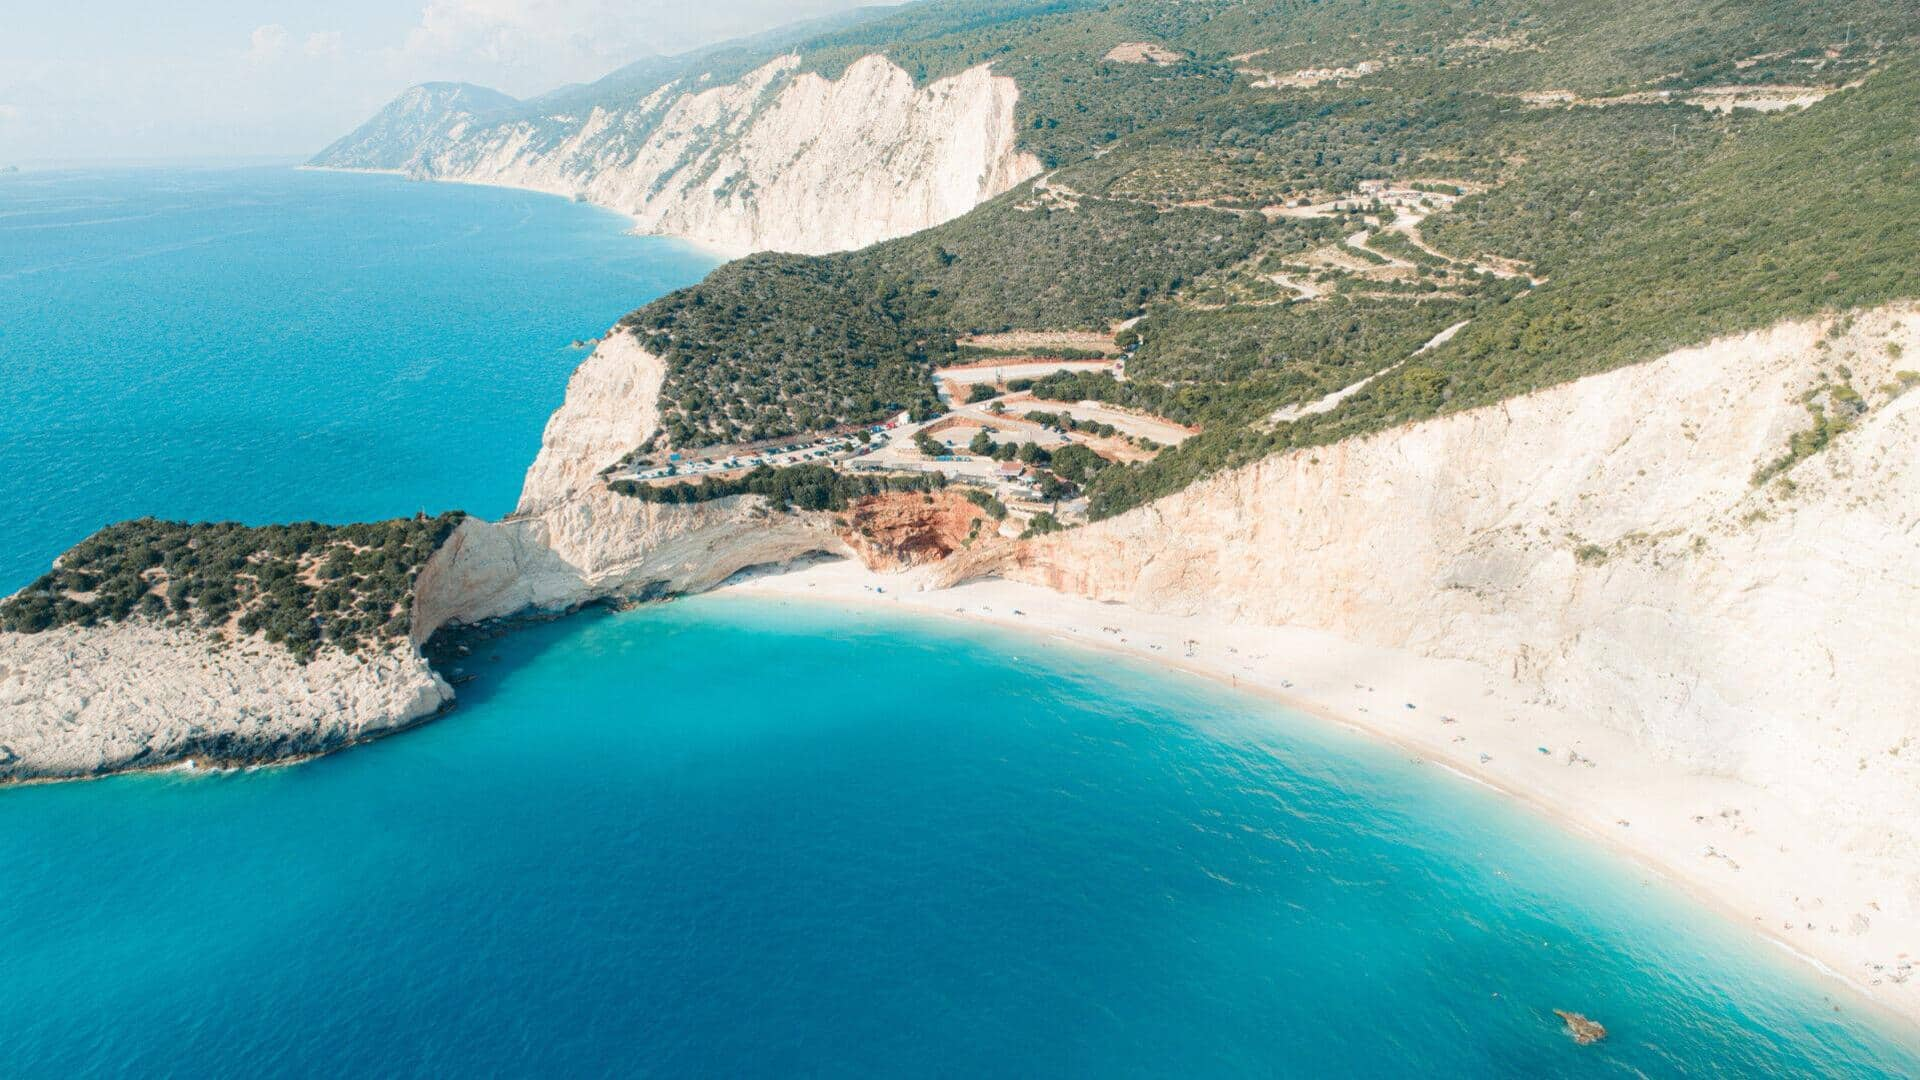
(780, 159)
(612, 405)
(1606, 543)
(905, 529)
(572, 541)
(85, 701)
(595, 545)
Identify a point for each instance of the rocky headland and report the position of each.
(780, 159)
(80, 702)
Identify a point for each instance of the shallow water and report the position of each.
(731, 836)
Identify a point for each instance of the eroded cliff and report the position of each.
(1715, 552)
(780, 159)
(573, 541)
(86, 701)
(596, 545)
(612, 405)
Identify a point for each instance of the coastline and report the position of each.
(83, 703)
(208, 765)
(1735, 848)
(701, 246)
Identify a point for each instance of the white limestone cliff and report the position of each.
(86, 701)
(573, 541)
(1603, 542)
(781, 159)
(595, 545)
(611, 406)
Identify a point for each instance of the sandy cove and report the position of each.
(1731, 845)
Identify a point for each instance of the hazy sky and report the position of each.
(151, 79)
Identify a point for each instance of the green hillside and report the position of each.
(1571, 234)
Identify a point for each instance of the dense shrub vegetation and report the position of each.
(995, 509)
(1073, 101)
(1642, 226)
(1003, 267)
(774, 345)
(1254, 150)
(306, 586)
(1785, 216)
(805, 487)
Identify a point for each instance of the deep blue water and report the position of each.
(269, 344)
(728, 837)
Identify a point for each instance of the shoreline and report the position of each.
(212, 765)
(1734, 848)
(707, 248)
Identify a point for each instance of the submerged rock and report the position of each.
(1583, 1031)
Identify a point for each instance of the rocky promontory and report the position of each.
(780, 158)
(155, 643)
(79, 702)
(152, 643)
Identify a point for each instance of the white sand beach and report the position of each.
(1734, 846)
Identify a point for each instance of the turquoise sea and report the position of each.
(725, 837)
(272, 344)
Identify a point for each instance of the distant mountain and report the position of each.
(801, 139)
(421, 116)
(427, 117)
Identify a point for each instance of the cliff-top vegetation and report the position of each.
(306, 587)
(1229, 200)
(802, 487)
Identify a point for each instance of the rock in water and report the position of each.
(1584, 1031)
